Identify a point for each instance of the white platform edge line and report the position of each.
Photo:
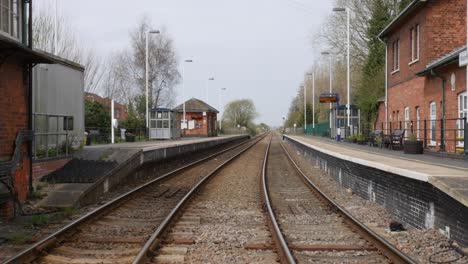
(399, 171)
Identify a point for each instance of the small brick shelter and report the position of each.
(201, 118)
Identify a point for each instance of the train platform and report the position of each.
(449, 175)
(98, 169)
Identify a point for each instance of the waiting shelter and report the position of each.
(163, 124)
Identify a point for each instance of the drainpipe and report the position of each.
(386, 83)
(442, 132)
(30, 99)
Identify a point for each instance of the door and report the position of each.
(433, 116)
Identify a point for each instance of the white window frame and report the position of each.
(433, 123)
(418, 120)
(13, 20)
(407, 121)
(462, 112)
(396, 56)
(414, 44)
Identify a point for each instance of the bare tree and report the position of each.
(240, 112)
(68, 46)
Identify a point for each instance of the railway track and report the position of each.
(121, 230)
(307, 226)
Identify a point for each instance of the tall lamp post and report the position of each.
(184, 120)
(206, 87)
(328, 54)
(219, 107)
(348, 106)
(305, 108)
(146, 74)
(313, 98)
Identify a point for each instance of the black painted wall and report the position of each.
(417, 203)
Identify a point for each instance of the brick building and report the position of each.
(201, 118)
(426, 89)
(17, 59)
(120, 110)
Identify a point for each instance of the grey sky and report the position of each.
(257, 49)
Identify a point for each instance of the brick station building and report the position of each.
(201, 118)
(120, 110)
(424, 79)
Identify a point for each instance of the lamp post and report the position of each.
(184, 120)
(348, 106)
(206, 87)
(313, 98)
(328, 54)
(146, 74)
(219, 107)
(305, 108)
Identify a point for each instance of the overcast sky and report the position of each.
(257, 49)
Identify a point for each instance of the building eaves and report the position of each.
(403, 14)
(447, 59)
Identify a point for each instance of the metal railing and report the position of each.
(102, 135)
(52, 138)
(440, 134)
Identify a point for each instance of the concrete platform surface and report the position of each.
(449, 176)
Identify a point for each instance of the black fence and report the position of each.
(103, 135)
(447, 135)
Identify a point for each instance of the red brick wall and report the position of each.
(201, 120)
(13, 117)
(41, 169)
(106, 102)
(442, 30)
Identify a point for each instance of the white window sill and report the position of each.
(395, 71)
(413, 62)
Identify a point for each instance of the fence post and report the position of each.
(425, 133)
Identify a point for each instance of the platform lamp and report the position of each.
(206, 88)
(146, 75)
(219, 106)
(305, 107)
(348, 106)
(328, 54)
(313, 97)
(184, 120)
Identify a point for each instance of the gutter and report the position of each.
(442, 132)
(402, 14)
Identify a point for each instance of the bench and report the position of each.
(397, 139)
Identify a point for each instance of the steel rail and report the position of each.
(31, 253)
(385, 247)
(284, 252)
(148, 250)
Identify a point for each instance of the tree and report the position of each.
(127, 79)
(372, 86)
(68, 46)
(96, 115)
(240, 112)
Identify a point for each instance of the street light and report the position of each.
(206, 88)
(219, 107)
(328, 54)
(341, 9)
(146, 68)
(184, 121)
(305, 108)
(313, 98)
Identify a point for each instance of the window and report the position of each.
(396, 55)
(418, 121)
(433, 115)
(407, 121)
(9, 19)
(414, 44)
(462, 112)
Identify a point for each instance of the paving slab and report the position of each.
(449, 176)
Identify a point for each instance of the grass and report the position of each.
(39, 220)
(18, 238)
(67, 212)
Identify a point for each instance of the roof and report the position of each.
(160, 109)
(13, 46)
(403, 14)
(447, 59)
(195, 105)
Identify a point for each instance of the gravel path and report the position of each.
(225, 222)
(418, 244)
